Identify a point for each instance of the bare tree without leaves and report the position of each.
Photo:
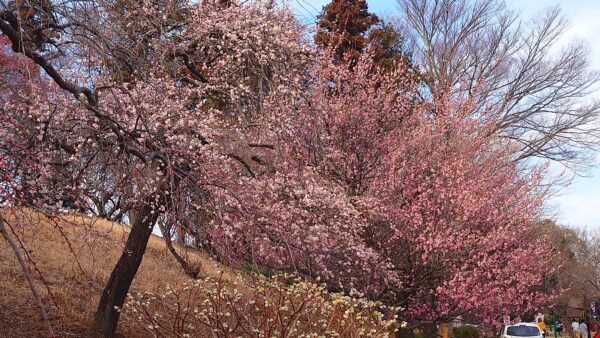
(579, 272)
(540, 89)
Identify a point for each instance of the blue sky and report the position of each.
(577, 205)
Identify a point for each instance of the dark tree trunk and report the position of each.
(115, 292)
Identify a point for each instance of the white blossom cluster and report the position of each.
(283, 306)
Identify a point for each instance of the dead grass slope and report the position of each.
(76, 255)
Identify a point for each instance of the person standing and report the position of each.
(576, 328)
(560, 328)
(584, 329)
(542, 326)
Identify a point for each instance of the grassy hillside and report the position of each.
(76, 275)
(76, 254)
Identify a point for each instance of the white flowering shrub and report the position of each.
(280, 306)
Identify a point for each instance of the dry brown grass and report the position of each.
(96, 245)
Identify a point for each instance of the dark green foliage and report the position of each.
(465, 332)
(350, 29)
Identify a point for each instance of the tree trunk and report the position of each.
(115, 292)
(189, 269)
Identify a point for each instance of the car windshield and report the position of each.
(523, 331)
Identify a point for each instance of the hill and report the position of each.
(76, 255)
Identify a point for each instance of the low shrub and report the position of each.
(465, 332)
(281, 306)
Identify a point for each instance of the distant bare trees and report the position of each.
(587, 253)
(539, 91)
(577, 271)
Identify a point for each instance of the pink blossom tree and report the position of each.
(378, 191)
(208, 118)
(158, 103)
(16, 71)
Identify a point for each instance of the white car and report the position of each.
(530, 330)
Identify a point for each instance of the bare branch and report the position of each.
(540, 94)
(29, 277)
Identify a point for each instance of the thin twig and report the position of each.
(27, 274)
